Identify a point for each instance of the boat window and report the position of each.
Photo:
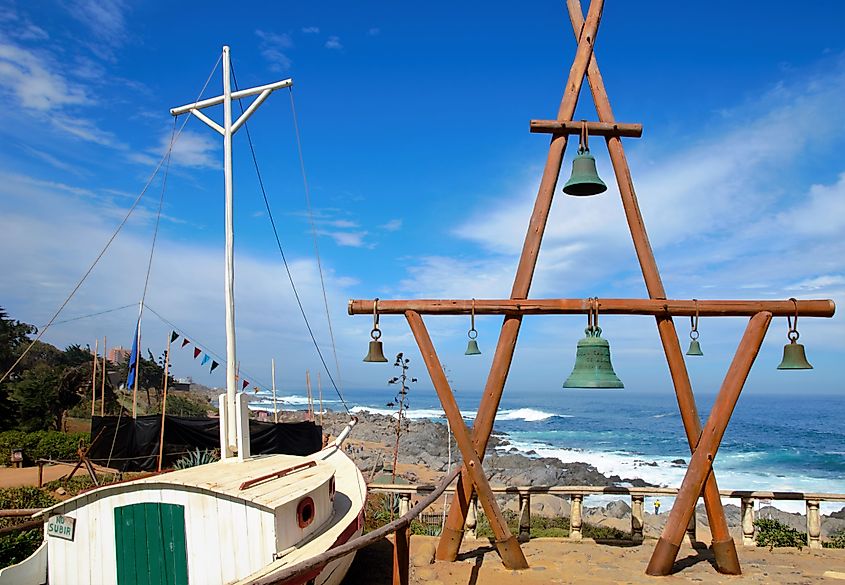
(305, 512)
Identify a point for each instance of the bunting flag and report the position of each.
(213, 366)
(245, 384)
(185, 342)
(205, 359)
(133, 356)
(173, 336)
(197, 351)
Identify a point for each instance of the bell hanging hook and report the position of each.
(794, 357)
(472, 344)
(376, 352)
(694, 345)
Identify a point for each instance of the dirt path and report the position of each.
(17, 477)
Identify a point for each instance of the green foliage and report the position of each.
(195, 458)
(17, 546)
(41, 445)
(774, 533)
(837, 539)
(80, 482)
(178, 405)
(377, 510)
(550, 527)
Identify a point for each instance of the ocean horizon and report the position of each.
(774, 442)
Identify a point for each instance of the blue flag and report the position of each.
(133, 357)
(205, 359)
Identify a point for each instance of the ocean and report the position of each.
(773, 442)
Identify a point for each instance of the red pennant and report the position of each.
(185, 341)
(197, 351)
(244, 385)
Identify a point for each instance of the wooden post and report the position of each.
(450, 539)
(94, 378)
(275, 407)
(637, 518)
(320, 392)
(401, 555)
(103, 384)
(701, 462)
(310, 414)
(575, 502)
(724, 548)
(814, 524)
(164, 403)
(40, 473)
(524, 516)
(507, 545)
(748, 522)
(690, 535)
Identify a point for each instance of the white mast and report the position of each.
(230, 411)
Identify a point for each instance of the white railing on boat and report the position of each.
(576, 494)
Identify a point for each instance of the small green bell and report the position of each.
(376, 353)
(472, 348)
(694, 348)
(592, 363)
(794, 357)
(585, 179)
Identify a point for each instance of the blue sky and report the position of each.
(422, 171)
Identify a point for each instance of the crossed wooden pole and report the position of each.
(704, 442)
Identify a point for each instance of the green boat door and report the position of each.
(150, 544)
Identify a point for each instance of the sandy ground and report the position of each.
(561, 561)
(12, 477)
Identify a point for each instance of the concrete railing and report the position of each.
(577, 494)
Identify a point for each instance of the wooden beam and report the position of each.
(593, 128)
(506, 543)
(657, 307)
(452, 534)
(701, 463)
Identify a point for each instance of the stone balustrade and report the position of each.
(576, 495)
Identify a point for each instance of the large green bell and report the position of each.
(585, 179)
(592, 363)
(376, 352)
(794, 357)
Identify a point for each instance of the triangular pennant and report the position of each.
(213, 366)
(245, 384)
(173, 336)
(197, 351)
(185, 342)
(205, 359)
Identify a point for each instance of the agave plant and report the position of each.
(194, 458)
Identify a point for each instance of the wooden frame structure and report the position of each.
(703, 441)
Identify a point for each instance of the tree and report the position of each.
(400, 401)
(150, 375)
(13, 336)
(36, 395)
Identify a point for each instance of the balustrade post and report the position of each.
(404, 503)
(637, 518)
(814, 524)
(524, 517)
(748, 522)
(575, 516)
(472, 518)
(690, 535)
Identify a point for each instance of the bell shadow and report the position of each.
(477, 554)
(700, 554)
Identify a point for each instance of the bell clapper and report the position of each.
(794, 357)
(472, 345)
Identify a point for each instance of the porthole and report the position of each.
(305, 512)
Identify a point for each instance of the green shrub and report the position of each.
(195, 458)
(41, 445)
(774, 533)
(837, 539)
(16, 546)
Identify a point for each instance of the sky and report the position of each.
(422, 176)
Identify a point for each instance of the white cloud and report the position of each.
(85, 130)
(311, 29)
(333, 42)
(193, 149)
(393, 225)
(34, 82)
(356, 239)
(105, 19)
(273, 47)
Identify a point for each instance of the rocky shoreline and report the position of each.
(424, 446)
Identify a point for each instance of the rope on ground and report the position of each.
(285, 262)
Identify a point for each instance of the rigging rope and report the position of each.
(97, 314)
(285, 262)
(117, 230)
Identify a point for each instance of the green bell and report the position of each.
(694, 348)
(592, 363)
(585, 179)
(472, 348)
(376, 353)
(794, 357)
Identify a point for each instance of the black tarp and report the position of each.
(132, 444)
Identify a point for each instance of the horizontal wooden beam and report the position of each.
(660, 307)
(593, 128)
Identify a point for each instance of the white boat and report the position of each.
(241, 520)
